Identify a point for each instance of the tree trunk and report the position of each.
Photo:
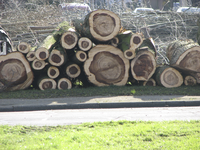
(64, 83)
(99, 26)
(85, 44)
(190, 80)
(15, 71)
(143, 65)
(53, 72)
(106, 65)
(168, 77)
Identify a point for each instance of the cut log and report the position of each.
(69, 40)
(106, 65)
(150, 82)
(42, 53)
(79, 57)
(72, 70)
(99, 25)
(53, 72)
(30, 56)
(190, 80)
(58, 57)
(64, 84)
(38, 64)
(143, 65)
(15, 71)
(45, 83)
(23, 47)
(115, 41)
(168, 77)
(85, 44)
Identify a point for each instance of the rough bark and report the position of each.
(100, 25)
(64, 84)
(85, 44)
(168, 77)
(106, 65)
(143, 65)
(15, 71)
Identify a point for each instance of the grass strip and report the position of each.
(139, 135)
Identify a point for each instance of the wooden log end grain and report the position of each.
(57, 58)
(47, 83)
(106, 65)
(136, 40)
(73, 70)
(38, 64)
(190, 80)
(168, 77)
(15, 71)
(143, 65)
(85, 44)
(129, 54)
(150, 82)
(79, 57)
(42, 53)
(104, 24)
(30, 56)
(69, 40)
(115, 41)
(23, 47)
(53, 72)
(64, 84)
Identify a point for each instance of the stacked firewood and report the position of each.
(97, 51)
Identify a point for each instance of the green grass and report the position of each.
(120, 135)
(102, 91)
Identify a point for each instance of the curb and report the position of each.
(101, 105)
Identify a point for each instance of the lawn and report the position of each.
(120, 135)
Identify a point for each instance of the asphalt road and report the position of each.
(78, 116)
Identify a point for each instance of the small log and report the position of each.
(38, 64)
(150, 82)
(85, 44)
(30, 56)
(198, 32)
(53, 72)
(106, 65)
(23, 47)
(69, 40)
(99, 26)
(115, 41)
(58, 57)
(42, 53)
(64, 84)
(143, 65)
(15, 71)
(168, 77)
(45, 83)
(190, 80)
(72, 70)
(79, 57)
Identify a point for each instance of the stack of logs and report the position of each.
(98, 51)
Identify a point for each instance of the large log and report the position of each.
(168, 77)
(143, 65)
(15, 71)
(99, 26)
(106, 65)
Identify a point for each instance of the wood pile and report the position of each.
(98, 51)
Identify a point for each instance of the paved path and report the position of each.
(78, 116)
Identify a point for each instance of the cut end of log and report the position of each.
(38, 64)
(106, 65)
(73, 70)
(104, 24)
(115, 41)
(23, 47)
(42, 53)
(31, 56)
(129, 54)
(56, 58)
(69, 40)
(85, 43)
(81, 56)
(64, 84)
(53, 72)
(136, 41)
(150, 82)
(190, 80)
(47, 83)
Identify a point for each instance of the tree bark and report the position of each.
(106, 65)
(64, 84)
(143, 65)
(99, 26)
(168, 77)
(15, 71)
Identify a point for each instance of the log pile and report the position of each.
(98, 51)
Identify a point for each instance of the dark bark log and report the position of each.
(168, 77)
(106, 65)
(15, 71)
